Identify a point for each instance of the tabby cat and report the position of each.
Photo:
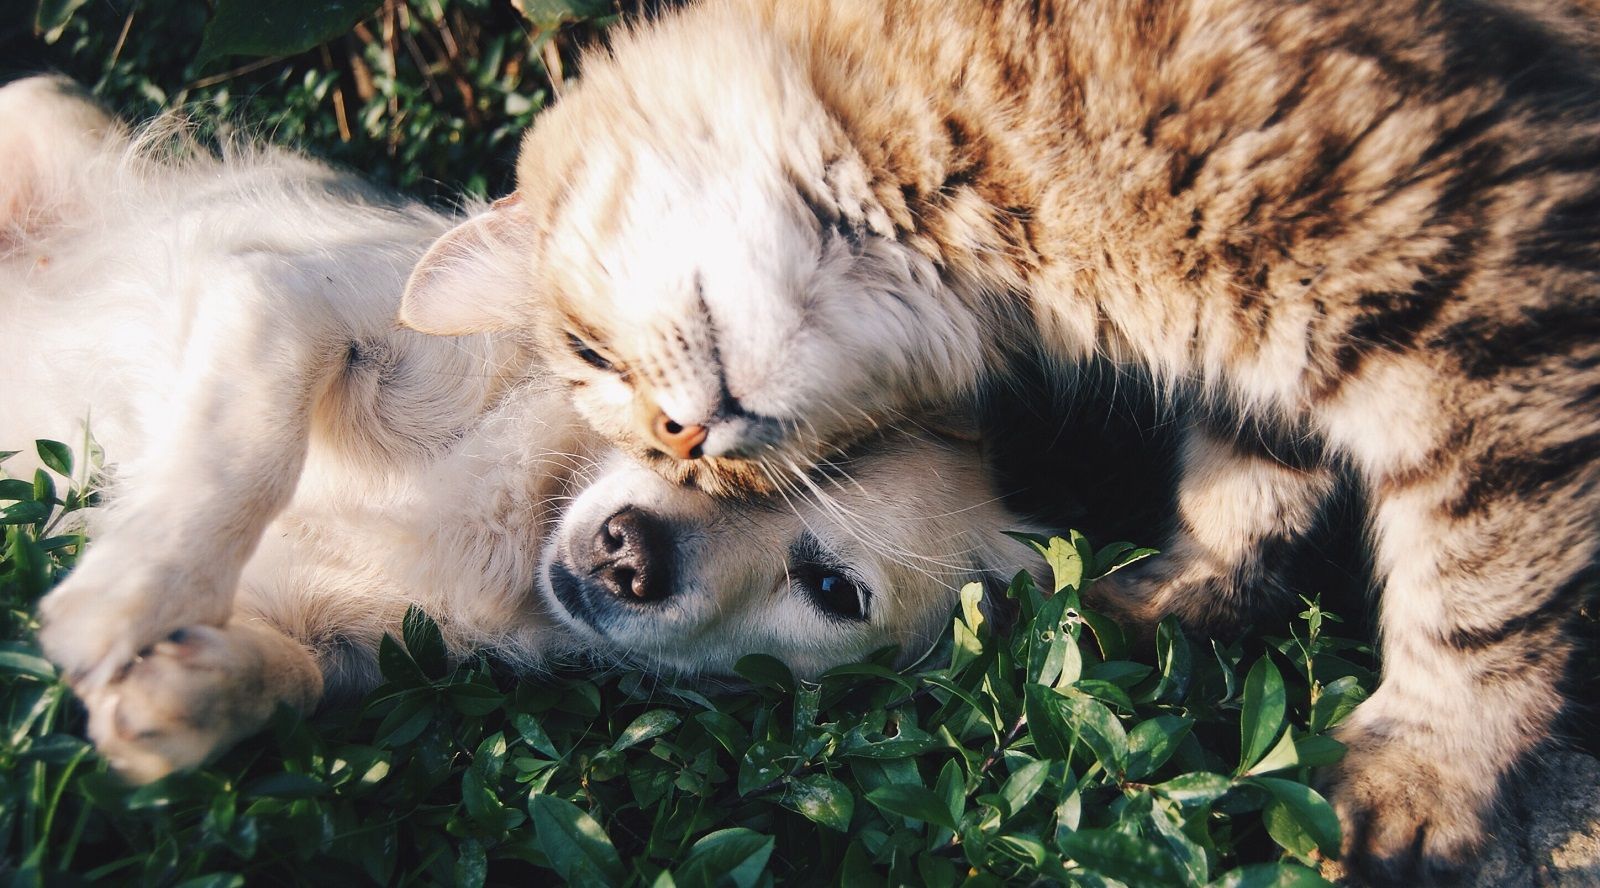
(1354, 237)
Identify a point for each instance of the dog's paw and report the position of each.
(1409, 816)
(111, 608)
(191, 696)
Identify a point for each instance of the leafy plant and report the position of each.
(1057, 750)
(425, 95)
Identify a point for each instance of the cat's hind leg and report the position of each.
(1484, 561)
(1244, 504)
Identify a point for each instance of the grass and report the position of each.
(1052, 752)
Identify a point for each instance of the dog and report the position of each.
(290, 470)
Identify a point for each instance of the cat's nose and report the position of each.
(632, 554)
(681, 441)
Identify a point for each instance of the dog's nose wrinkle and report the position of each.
(683, 442)
(633, 556)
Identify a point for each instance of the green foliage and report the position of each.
(1046, 752)
(425, 95)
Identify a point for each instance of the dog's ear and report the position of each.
(474, 278)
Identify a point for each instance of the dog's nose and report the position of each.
(632, 556)
(683, 442)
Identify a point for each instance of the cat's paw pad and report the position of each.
(1408, 817)
(177, 703)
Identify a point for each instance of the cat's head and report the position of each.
(702, 258)
(870, 555)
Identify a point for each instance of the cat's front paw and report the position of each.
(1409, 816)
(117, 604)
(189, 697)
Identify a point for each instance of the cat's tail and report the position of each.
(52, 134)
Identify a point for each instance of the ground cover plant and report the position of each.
(1053, 751)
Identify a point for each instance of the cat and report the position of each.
(290, 472)
(1346, 236)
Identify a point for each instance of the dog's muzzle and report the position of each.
(625, 567)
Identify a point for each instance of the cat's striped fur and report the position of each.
(1358, 235)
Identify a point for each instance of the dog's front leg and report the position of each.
(226, 447)
(196, 693)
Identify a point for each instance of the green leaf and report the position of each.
(479, 786)
(1108, 635)
(214, 880)
(951, 786)
(285, 785)
(278, 27)
(1096, 727)
(823, 800)
(15, 490)
(396, 665)
(870, 670)
(1047, 721)
(1188, 853)
(1272, 875)
(1298, 818)
(1338, 699)
(1175, 661)
(1284, 754)
(909, 742)
(727, 731)
(1052, 645)
(915, 802)
(407, 720)
(424, 642)
(18, 658)
(1023, 784)
(1117, 556)
(534, 735)
(24, 513)
(762, 764)
(1133, 861)
(765, 671)
(44, 490)
(548, 15)
(51, 18)
(577, 848)
(648, 726)
(473, 698)
(1195, 789)
(56, 455)
(1261, 719)
(1318, 750)
(1151, 743)
(736, 854)
(1066, 562)
(472, 864)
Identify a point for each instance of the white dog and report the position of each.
(291, 470)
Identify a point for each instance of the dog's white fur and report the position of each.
(291, 470)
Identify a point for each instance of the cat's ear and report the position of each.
(474, 278)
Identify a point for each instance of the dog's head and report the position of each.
(867, 554)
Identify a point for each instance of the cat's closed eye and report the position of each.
(588, 354)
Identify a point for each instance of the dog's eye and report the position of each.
(587, 354)
(835, 594)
